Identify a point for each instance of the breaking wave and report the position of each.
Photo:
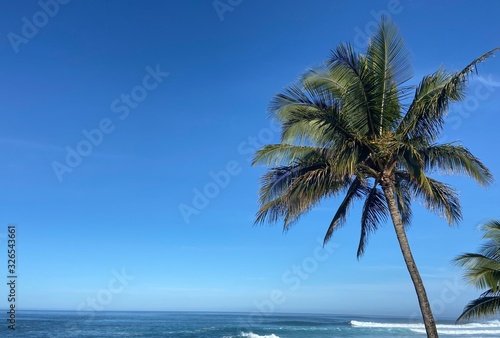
(254, 335)
(488, 328)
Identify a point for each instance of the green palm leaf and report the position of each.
(486, 305)
(483, 272)
(404, 196)
(354, 192)
(389, 63)
(425, 117)
(351, 69)
(374, 213)
(279, 154)
(456, 159)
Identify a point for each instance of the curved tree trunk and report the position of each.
(425, 308)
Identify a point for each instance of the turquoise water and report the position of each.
(227, 325)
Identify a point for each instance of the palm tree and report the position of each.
(483, 271)
(351, 127)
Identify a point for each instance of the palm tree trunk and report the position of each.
(425, 308)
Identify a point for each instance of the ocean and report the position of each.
(227, 325)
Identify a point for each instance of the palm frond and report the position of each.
(403, 198)
(351, 68)
(322, 80)
(483, 268)
(491, 248)
(374, 212)
(492, 231)
(486, 305)
(283, 154)
(288, 192)
(389, 64)
(276, 181)
(412, 165)
(354, 192)
(425, 116)
(481, 271)
(309, 115)
(438, 197)
(456, 159)
(387, 54)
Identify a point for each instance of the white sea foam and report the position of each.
(254, 335)
(356, 323)
(445, 329)
(496, 333)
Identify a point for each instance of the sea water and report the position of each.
(228, 325)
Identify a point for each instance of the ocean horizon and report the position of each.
(54, 324)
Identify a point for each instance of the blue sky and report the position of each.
(175, 96)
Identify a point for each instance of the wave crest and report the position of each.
(463, 332)
(254, 335)
(448, 329)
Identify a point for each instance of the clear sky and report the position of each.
(126, 130)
